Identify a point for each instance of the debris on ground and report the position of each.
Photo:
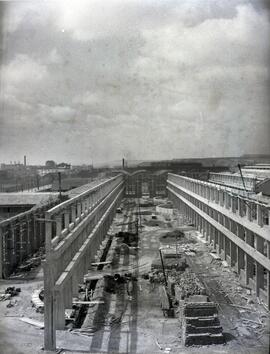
(37, 300)
(10, 292)
(11, 303)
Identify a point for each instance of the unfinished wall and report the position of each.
(237, 227)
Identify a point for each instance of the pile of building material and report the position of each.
(171, 263)
(10, 292)
(186, 284)
(200, 323)
(172, 237)
(37, 300)
(166, 303)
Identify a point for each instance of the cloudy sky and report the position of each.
(143, 79)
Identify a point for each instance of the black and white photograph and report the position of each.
(135, 176)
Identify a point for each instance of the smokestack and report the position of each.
(24, 160)
(123, 163)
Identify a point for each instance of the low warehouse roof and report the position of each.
(9, 199)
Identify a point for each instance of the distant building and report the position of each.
(64, 165)
(15, 203)
(11, 166)
(50, 164)
(69, 183)
(52, 168)
(260, 171)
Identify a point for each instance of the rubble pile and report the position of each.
(37, 300)
(171, 264)
(186, 284)
(10, 292)
(172, 237)
(30, 263)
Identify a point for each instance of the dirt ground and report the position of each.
(143, 328)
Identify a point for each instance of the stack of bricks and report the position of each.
(201, 325)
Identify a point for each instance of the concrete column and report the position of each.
(1, 252)
(240, 231)
(218, 248)
(249, 211)
(29, 246)
(215, 239)
(226, 196)
(22, 242)
(200, 224)
(73, 213)
(59, 225)
(233, 254)
(227, 248)
(259, 244)
(59, 310)
(259, 215)
(249, 268)
(233, 204)
(14, 246)
(259, 278)
(208, 194)
(208, 230)
(217, 196)
(79, 210)
(212, 193)
(240, 259)
(221, 198)
(268, 277)
(239, 206)
(66, 219)
(49, 299)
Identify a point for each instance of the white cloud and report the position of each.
(225, 42)
(86, 99)
(140, 76)
(56, 114)
(86, 20)
(14, 103)
(54, 57)
(22, 72)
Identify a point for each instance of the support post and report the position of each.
(1, 252)
(49, 300)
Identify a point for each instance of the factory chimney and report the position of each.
(123, 163)
(24, 160)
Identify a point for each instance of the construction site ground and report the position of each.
(142, 327)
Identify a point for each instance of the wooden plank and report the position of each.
(32, 322)
(94, 277)
(80, 302)
(100, 263)
(165, 304)
(215, 256)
